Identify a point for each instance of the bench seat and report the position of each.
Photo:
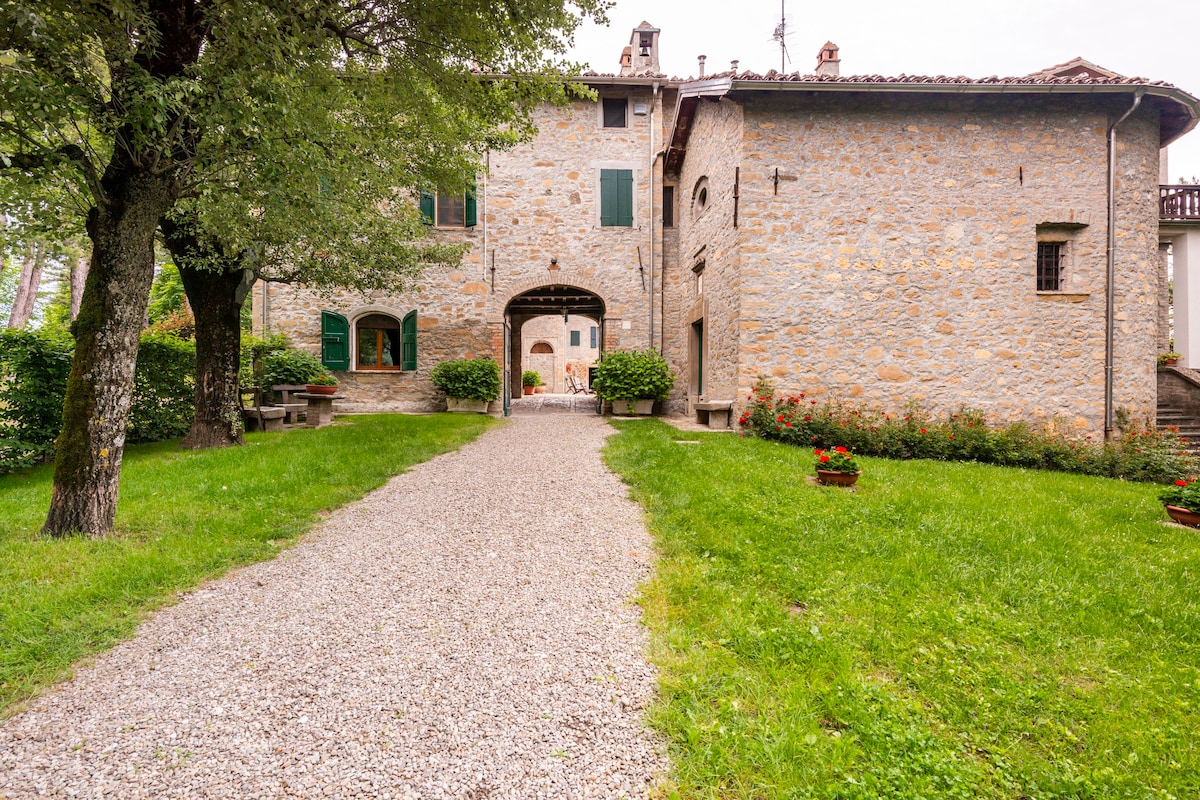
(714, 413)
(271, 416)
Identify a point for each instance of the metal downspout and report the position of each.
(650, 210)
(1110, 284)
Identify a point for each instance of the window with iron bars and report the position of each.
(1050, 266)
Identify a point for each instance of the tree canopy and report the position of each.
(233, 115)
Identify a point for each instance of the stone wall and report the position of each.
(895, 261)
(707, 236)
(536, 202)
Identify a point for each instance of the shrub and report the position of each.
(468, 378)
(255, 349)
(531, 378)
(164, 389)
(633, 375)
(1142, 453)
(34, 366)
(33, 378)
(290, 367)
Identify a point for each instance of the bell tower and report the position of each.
(641, 57)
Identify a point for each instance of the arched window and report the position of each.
(541, 348)
(379, 342)
(700, 197)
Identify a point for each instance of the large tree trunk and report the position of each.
(88, 452)
(27, 287)
(78, 278)
(216, 299)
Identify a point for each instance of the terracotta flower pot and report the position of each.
(831, 478)
(1183, 516)
(528, 390)
(539, 390)
(313, 388)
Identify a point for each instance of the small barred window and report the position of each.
(1050, 266)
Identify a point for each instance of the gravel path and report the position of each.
(465, 631)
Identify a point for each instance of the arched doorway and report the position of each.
(577, 313)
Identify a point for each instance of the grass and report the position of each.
(944, 631)
(183, 517)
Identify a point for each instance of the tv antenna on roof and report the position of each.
(780, 36)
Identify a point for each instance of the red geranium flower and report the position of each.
(922, 430)
(817, 452)
(823, 459)
(1181, 482)
(840, 449)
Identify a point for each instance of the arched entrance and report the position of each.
(572, 315)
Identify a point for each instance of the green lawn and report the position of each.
(183, 517)
(946, 630)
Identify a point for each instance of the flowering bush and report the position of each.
(839, 459)
(1184, 494)
(1142, 453)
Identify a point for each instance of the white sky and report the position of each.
(1156, 41)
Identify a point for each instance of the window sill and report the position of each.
(1064, 297)
(377, 370)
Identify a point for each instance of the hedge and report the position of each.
(34, 366)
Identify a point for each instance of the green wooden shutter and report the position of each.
(335, 340)
(408, 341)
(470, 210)
(427, 206)
(616, 197)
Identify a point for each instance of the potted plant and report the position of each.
(1183, 502)
(469, 383)
(632, 380)
(1169, 359)
(837, 467)
(529, 380)
(322, 384)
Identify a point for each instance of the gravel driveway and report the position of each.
(465, 631)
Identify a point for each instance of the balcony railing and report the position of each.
(1179, 202)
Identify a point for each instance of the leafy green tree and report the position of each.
(140, 105)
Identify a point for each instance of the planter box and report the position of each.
(633, 408)
(461, 405)
(313, 388)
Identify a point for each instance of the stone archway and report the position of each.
(552, 300)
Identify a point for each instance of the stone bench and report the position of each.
(713, 413)
(294, 410)
(270, 416)
(285, 390)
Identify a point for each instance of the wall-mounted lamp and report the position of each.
(640, 109)
(553, 264)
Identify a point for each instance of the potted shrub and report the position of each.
(469, 383)
(1183, 502)
(632, 380)
(1169, 359)
(529, 380)
(837, 467)
(322, 384)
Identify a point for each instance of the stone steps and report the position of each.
(1186, 423)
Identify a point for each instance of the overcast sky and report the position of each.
(1156, 41)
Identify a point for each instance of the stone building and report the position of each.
(940, 240)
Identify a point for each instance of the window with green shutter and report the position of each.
(335, 340)
(408, 341)
(616, 198)
(574, 338)
(450, 210)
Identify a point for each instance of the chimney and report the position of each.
(828, 62)
(733, 65)
(702, 59)
(627, 61)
